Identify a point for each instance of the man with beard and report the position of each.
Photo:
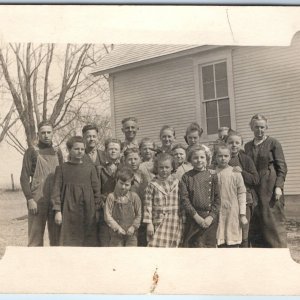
(36, 180)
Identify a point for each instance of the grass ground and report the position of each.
(13, 222)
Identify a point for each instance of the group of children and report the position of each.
(172, 195)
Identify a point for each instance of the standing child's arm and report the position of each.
(96, 189)
(241, 195)
(249, 172)
(110, 221)
(137, 212)
(149, 194)
(56, 195)
(185, 199)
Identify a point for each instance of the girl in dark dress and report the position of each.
(199, 194)
(75, 196)
(267, 228)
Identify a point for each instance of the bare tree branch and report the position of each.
(28, 93)
(35, 91)
(14, 146)
(15, 141)
(15, 95)
(48, 64)
(34, 86)
(5, 124)
(67, 83)
(16, 51)
(68, 103)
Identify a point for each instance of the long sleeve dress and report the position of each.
(76, 193)
(162, 209)
(267, 227)
(199, 194)
(233, 204)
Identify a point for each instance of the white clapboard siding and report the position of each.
(267, 81)
(160, 94)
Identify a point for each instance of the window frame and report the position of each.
(214, 57)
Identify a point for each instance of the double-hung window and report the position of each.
(215, 96)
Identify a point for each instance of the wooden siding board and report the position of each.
(158, 94)
(267, 80)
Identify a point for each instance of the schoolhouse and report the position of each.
(212, 85)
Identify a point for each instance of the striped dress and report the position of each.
(162, 209)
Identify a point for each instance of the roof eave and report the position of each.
(129, 66)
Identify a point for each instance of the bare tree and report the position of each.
(7, 122)
(83, 117)
(48, 81)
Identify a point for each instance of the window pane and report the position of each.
(221, 71)
(212, 125)
(224, 109)
(222, 88)
(208, 91)
(211, 109)
(207, 74)
(225, 121)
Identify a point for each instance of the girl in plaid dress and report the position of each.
(162, 212)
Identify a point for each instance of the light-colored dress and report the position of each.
(233, 204)
(162, 209)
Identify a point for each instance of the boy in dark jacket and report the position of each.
(244, 164)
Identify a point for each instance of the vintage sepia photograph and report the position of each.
(150, 145)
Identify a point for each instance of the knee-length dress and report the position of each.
(233, 204)
(267, 227)
(199, 193)
(162, 209)
(76, 193)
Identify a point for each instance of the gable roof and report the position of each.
(126, 56)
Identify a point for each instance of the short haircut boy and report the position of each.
(72, 140)
(222, 146)
(45, 123)
(89, 127)
(112, 140)
(130, 151)
(179, 146)
(234, 133)
(125, 174)
(147, 140)
(133, 119)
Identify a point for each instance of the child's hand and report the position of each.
(121, 231)
(211, 171)
(150, 229)
(130, 231)
(237, 169)
(243, 220)
(278, 193)
(199, 220)
(207, 221)
(32, 207)
(58, 218)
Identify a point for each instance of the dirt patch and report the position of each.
(13, 223)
